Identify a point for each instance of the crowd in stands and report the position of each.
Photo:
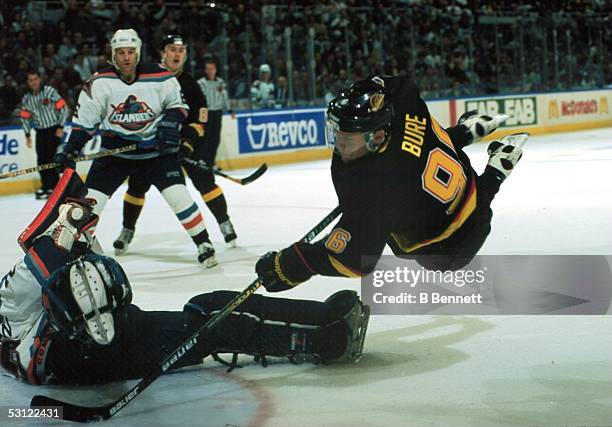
(445, 45)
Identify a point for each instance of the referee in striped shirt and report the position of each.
(213, 88)
(43, 109)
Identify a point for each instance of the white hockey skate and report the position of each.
(206, 254)
(123, 241)
(229, 234)
(481, 125)
(505, 154)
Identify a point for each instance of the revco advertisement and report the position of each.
(280, 130)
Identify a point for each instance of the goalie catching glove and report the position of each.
(280, 271)
(74, 217)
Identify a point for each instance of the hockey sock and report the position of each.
(186, 211)
(101, 200)
(132, 206)
(215, 200)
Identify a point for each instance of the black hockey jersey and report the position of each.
(417, 190)
(194, 98)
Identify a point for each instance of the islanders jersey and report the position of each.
(416, 191)
(127, 113)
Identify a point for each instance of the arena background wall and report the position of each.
(293, 135)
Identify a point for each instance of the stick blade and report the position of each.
(259, 172)
(72, 412)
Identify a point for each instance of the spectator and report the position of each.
(66, 49)
(282, 93)
(9, 97)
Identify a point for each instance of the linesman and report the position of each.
(215, 91)
(43, 109)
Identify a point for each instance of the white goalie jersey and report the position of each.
(21, 310)
(128, 113)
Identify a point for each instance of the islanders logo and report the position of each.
(132, 114)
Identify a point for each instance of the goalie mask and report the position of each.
(87, 299)
(125, 38)
(354, 116)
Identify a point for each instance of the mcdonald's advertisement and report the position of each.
(578, 106)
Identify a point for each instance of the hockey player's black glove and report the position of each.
(65, 157)
(191, 135)
(169, 136)
(186, 149)
(280, 271)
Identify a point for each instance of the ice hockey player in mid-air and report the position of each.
(136, 103)
(67, 317)
(173, 50)
(401, 180)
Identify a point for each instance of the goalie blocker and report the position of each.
(83, 329)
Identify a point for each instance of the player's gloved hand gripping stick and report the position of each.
(96, 413)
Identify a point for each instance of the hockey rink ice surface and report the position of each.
(416, 370)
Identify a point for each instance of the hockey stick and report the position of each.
(97, 413)
(78, 159)
(242, 181)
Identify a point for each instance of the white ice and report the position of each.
(417, 370)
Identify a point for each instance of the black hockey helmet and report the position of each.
(172, 39)
(87, 299)
(364, 107)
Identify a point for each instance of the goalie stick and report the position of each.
(79, 413)
(242, 181)
(78, 159)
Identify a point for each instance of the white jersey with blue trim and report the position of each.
(127, 113)
(21, 309)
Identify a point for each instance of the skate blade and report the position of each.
(120, 251)
(209, 262)
(516, 139)
(500, 118)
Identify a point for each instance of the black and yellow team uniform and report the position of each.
(192, 133)
(418, 194)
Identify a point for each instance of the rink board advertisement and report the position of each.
(543, 112)
(491, 284)
(14, 154)
(280, 130)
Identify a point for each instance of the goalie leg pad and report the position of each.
(259, 326)
(264, 326)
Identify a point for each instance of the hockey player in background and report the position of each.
(173, 50)
(67, 316)
(143, 104)
(262, 90)
(401, 180)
